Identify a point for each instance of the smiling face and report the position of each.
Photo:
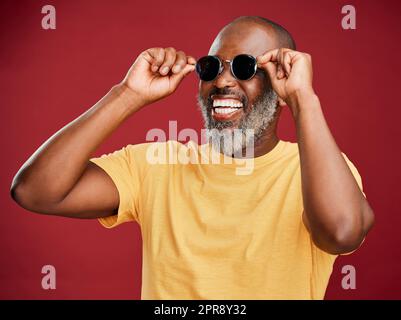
(228, 103)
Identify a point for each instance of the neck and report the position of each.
(266, 143)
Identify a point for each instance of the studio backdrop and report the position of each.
(52, 71)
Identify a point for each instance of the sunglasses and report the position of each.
(243, 67)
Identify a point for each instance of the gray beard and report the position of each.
(251, 127)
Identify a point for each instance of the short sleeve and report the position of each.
(120, 167)
(355, 173)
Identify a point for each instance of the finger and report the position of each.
(191, 60)
(278, 64)
(280, 72)
(156, 56)
(269, 56)
(284, 70)
(180, 62)
(176, 78)
(271, 69)
(280, 55)
(169, 59)
(287, 63)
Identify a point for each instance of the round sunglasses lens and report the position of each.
(244, 66)
(208, 68)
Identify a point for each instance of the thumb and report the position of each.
(141, 66)
(177, 77)
(271, 69)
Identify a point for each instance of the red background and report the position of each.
(49, 77)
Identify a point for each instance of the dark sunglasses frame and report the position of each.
(230, 62)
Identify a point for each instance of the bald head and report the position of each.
(267, 33)
(283, 37)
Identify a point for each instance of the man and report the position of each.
(209, 233)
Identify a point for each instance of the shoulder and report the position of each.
(143, 148)
(157, 152)
(292, 150)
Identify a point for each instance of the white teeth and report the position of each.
(227, 103)
(225, 110)
(226, 106)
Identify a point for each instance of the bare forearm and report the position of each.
(336, 211)
(52, 171)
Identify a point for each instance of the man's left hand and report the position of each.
(290, 74)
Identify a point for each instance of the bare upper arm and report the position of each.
(93, 196)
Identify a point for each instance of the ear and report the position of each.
(281, 102)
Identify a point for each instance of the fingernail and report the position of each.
(176, 69)
(165, 70)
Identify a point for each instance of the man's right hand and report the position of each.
(157, 72)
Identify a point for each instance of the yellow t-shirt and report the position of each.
(210, 232)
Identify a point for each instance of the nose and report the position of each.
(225, 78)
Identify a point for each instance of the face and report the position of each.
(227, 103)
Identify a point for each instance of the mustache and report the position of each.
(222, 91)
